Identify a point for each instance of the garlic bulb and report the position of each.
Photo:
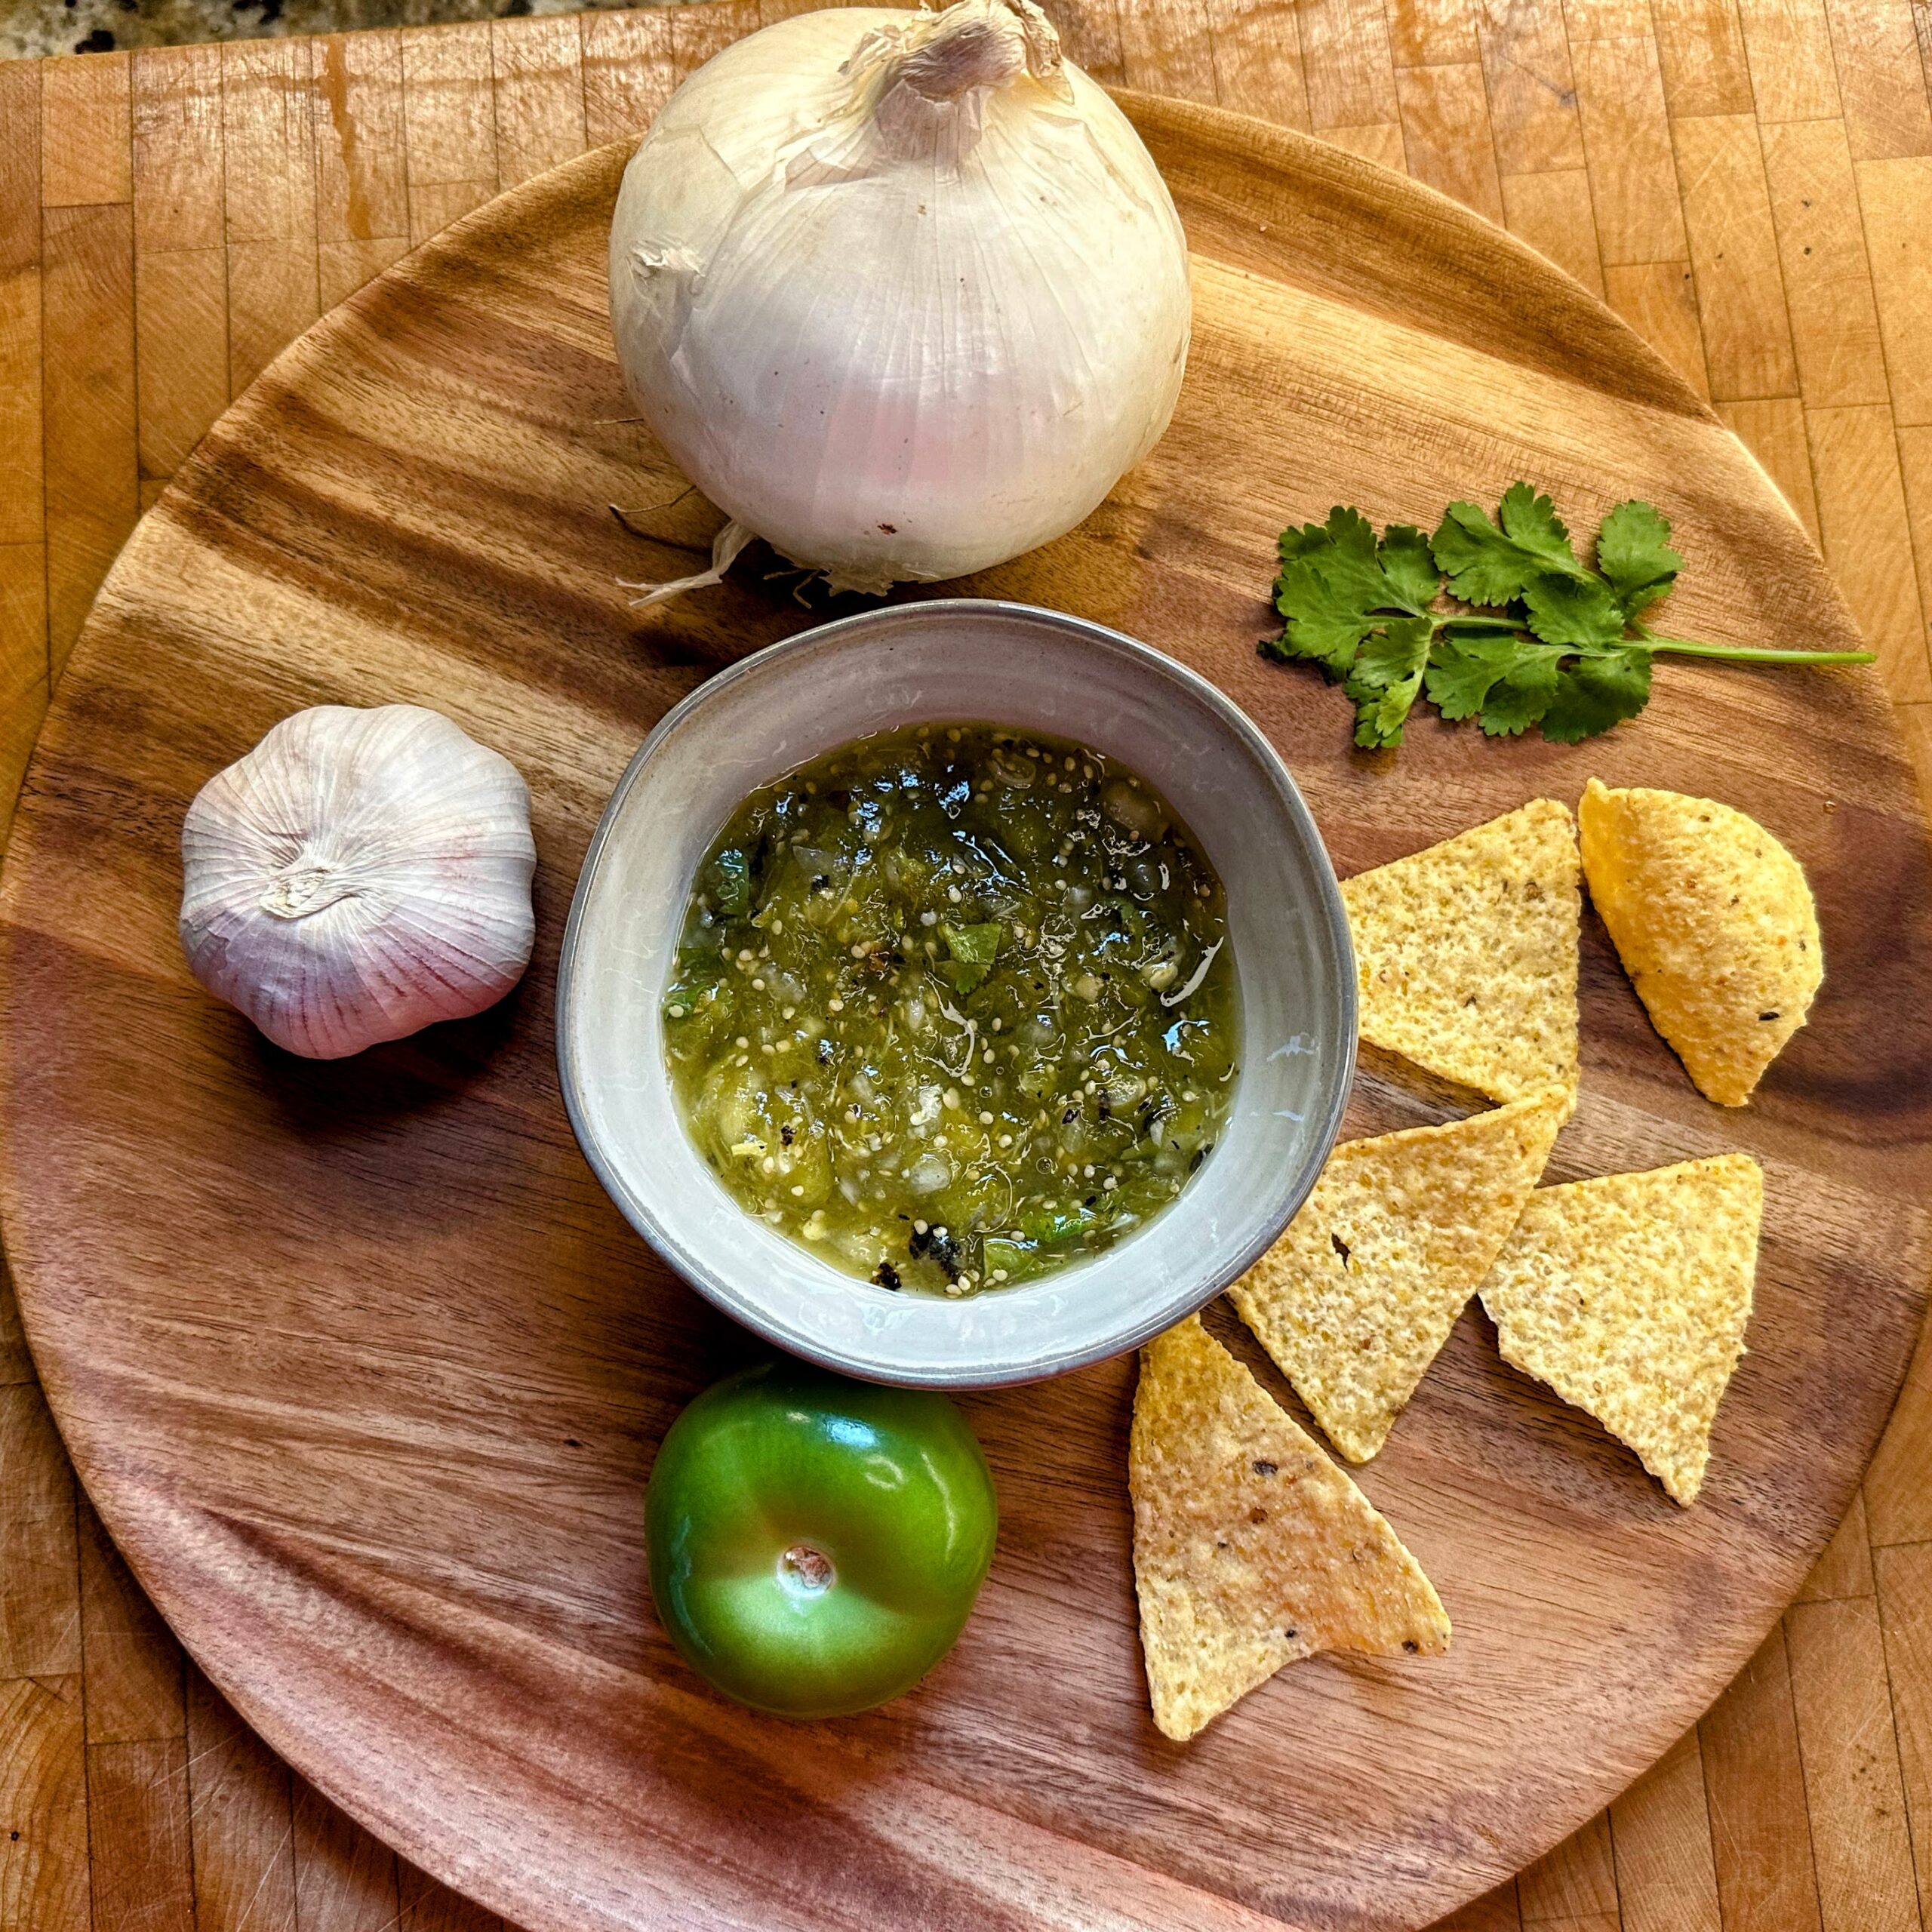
(903, 293)
(357, 875)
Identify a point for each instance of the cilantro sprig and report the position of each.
(1534, 636)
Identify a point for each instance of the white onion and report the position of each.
(903, 293)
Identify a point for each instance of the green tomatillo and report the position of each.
(816, 1542)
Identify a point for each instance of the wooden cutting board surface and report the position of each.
(365, 1374)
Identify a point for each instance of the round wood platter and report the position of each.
(365, 1374)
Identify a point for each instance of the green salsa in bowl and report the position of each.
(1049, 1052)
(953, 1006)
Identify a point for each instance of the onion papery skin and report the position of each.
(896, 347)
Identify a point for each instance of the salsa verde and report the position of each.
(953, 1006)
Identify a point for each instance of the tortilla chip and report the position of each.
(1356, 1299)
(1714, 923)
(1466, 953)
(1628, 1295)
(1250, 1548)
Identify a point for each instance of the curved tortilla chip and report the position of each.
(1628, 1295)
(1466, 953)
(1250, 1548)
(1714, 923)
(1356, 1299)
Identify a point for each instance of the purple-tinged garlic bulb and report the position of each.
(358, 876)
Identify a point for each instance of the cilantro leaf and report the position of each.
(1298, 540)
(1380, 717)
(1464, 668)
(1325, 620)
(1510, 684)
(1634, 554)
(1480, 563)
(1534, 526)
(1576, 611)
(1549, 643)
(1351, 568)
(1387, 676)
(1347, 540)
(1409, 569)
(1520, 699)
(1509, 681)
(1485, 565)
(973, 950)
(1597, 692)
(1338, 585)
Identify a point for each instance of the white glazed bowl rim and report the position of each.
(947, 1351)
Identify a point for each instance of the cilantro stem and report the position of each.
(1742, 653)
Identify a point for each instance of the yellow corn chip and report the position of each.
(1356, 1299)
(1714, 923)
(1628, 1294)
(1467, 953)
(1250, 1548)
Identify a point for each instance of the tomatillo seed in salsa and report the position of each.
(953, 1006)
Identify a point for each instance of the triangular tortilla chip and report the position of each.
(1628, 1295)
(1250, 1548)
(1466, 953)
(1356, 1299)
(1715, 924)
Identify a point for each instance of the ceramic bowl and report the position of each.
(934, 662)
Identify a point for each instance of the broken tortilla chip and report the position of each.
(1715, 924)
(1466, 953)
(1628, 1295)
(1250, 1548)
(1356, 1299)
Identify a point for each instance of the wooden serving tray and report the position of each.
(365, 1373)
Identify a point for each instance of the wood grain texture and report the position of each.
(1827, 279)
(1263, 61)
(1532, 89)
(1753, 1783)
(241, 1818)
(1788, 45)
(40, 1630)
(1573, 1886)
(1894, 195)
(1734, 255)
(1499, 1911)
(1904, 1577)
(43, 1851)
(1551, 213)
(86, 137)
(1659, 300)
(1626, 136)
(1773, 430)
(1863, 515)
(1666, 1880)
(89, 433)
(1859, 1838)
(441, 1554)
(137, 1834)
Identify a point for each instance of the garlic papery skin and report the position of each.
(903, 293)
(358, 876)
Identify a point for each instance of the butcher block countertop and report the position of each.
(1748, 182)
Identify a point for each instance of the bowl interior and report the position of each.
(1035, 670)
